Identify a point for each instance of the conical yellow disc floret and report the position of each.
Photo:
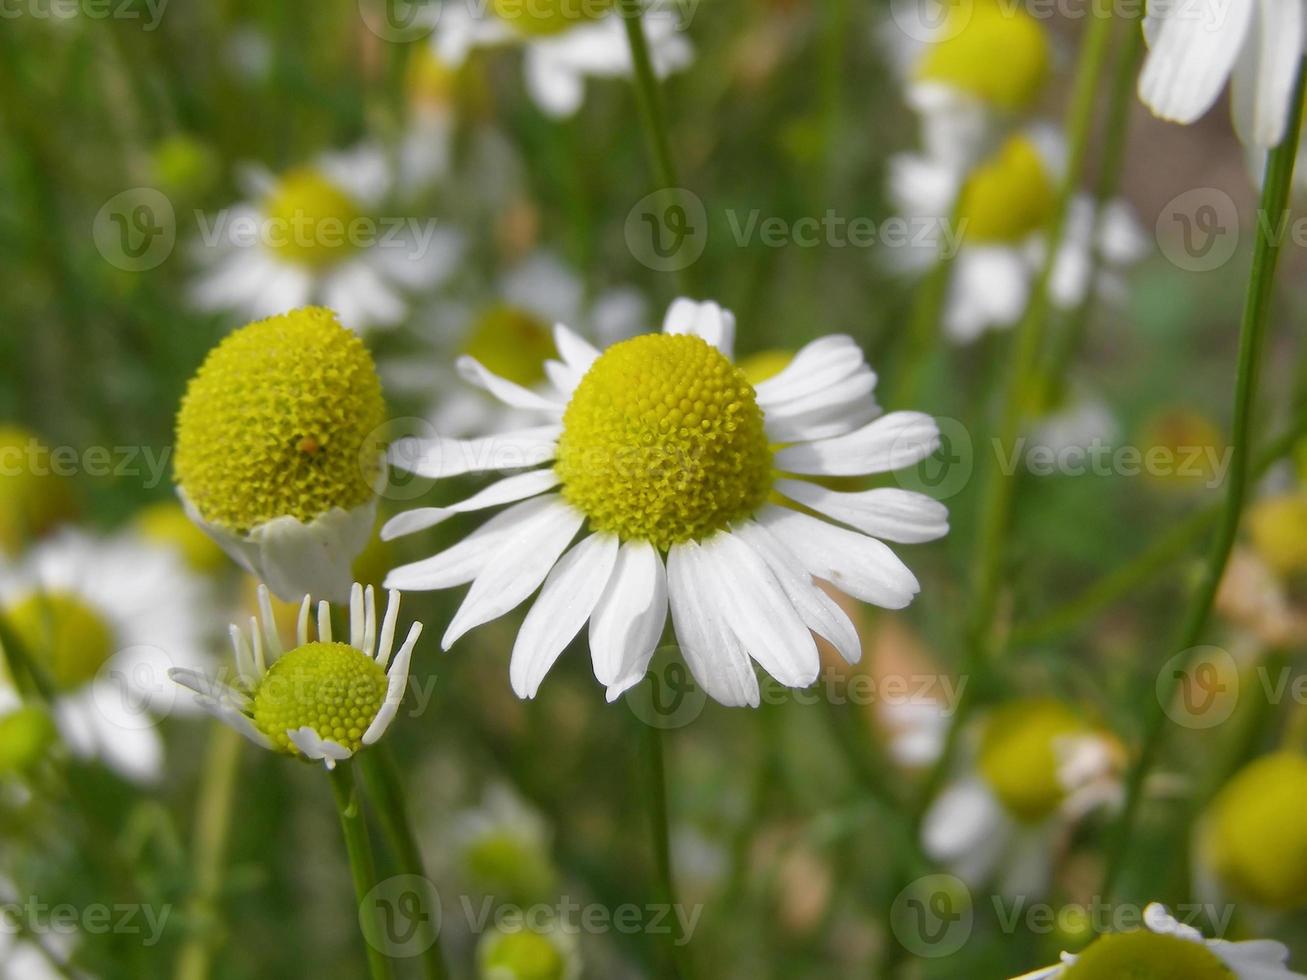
(663, 441)
(1146, 956)
(996, 52)
(33, 499)
(1255, 834)
(1008, 197)
(523, 955)
(512, 343)
(333, 688)
(542, 17)
(1018, 755)
(309, 218)
(64, 635)
(275, 422)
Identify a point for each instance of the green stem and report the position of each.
(382, 780)
(1252, 334)
(655, 774)
(361, 865)
(212, 828)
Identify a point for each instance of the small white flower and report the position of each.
(1195, 48)
(104, 618)
(315, 235)
(664, 448)
(1166, 943)
(559, 58)
(323, 700)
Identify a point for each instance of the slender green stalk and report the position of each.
(382, 780)
(212, 828)
(655, 774)
(361, 865)
(1252, 335)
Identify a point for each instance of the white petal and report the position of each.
(962, 816)
(816, 366)
(517, 567)
(1262, 86)
(889, 443)
(511, 394)
(557, 87)
(706, 320)
(836, 410)
(506, 491)
(715, 657)
(758, 611)
(886, 512)
(1160, 921)
(989, 290)
(568, 597)
(396, 687)
(439, 458)
(629, 618)
(1192, 56)
(315, 747)
(854, 563)
(578, 353)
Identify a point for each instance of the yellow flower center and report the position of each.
(1255, 837)
(165, 523)
(999, 54)
(333, 688)
(1279, 532)
(1018, 755)
(309, 218)
(663, 441)
(25, 735)
(276, 422)
(1008, 197)
(523, 955)
(511, 868)
(33, 499)
(512, 343)
(765, 364)
(1146, 955)
(430, 81)
(543, 17)
(64, 634)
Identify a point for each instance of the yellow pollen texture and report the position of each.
(275, 423)
(663, 441)
(333, 688)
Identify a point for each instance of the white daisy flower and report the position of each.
(1167, 947)
(314, 234)
(322, 701)
(564, 42)
(1194, 49)
(503, 848)
(549, 953)
(277, 456)
(663, 447)
(997, 232)
(1039, 768)
(104, 618)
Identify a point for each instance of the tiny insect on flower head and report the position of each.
(1166, 949)
(964, 58)
(664, 448)
(1253, 839)
(34, 499)
(323, 700)
(275, 458)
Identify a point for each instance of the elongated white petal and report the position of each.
(396, 687)
(517, 567)
(706, 320)
(387, 640)
(854, 563)
(890, 443)
(577, 353)
(356, 616)
(819, 612)
(885, 512)
(245, 668)
(836, 410)
(508, 392)
(566, 601)
(271, 639)
(506, 491)
(629, 618)
(302, 622)
(369, 622)
(759, 613)
(1262, 85)
(439, 458)
(461, 563)
(715, 656)
(315, 747)
(324, 622)
(816, 366)
(1193, 52)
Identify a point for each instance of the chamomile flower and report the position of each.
(77, 602)
(1039, 767)
(34, 498)
(275, 458)
(700, 493)
(314, 235)
(992, 220)
(322, 701)
(564, 43)
(1252, 841)
(1195, 49)
(503, 848)
(528, 954)
(1167, 948)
